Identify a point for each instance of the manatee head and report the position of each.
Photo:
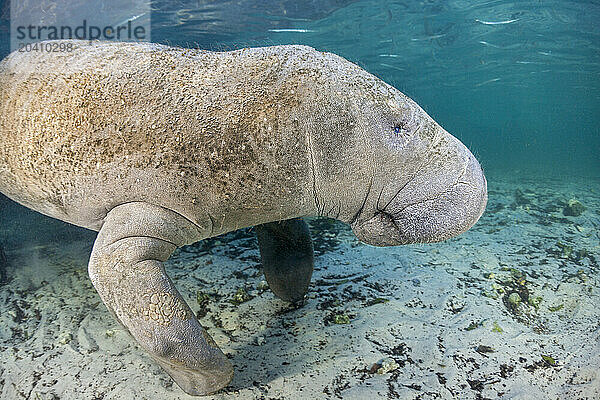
(384, 166)
(427, 186)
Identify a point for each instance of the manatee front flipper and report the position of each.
(286, 250)
(126, 268)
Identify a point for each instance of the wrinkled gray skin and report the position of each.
(158, 147)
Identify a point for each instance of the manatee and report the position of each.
(157, 147)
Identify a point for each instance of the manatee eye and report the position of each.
(405, 127)
(402, 128)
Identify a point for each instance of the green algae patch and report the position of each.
(241, 296)
(535, 301)
(514, 299)
(340, 319)
(549, 360)
(497, 328)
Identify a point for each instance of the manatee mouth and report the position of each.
(450, 212)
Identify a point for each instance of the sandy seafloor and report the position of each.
(438, 314)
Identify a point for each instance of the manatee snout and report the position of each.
(430, 206)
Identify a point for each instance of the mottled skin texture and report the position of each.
(208, 135)
(157, 147)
